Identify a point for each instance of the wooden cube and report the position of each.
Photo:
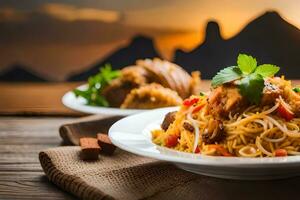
(106, 146)
(90, 148)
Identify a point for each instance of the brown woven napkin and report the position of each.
(127, 176)
(86, 127)
(121, 176)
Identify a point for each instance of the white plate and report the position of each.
(79, 104)
(133, 134)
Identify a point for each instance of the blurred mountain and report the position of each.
(139, 48)
(269, 38)
(19, 73)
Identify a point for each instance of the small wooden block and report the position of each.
(106, 146)
(90, 148)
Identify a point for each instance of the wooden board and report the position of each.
(21, 175)
(35, 99)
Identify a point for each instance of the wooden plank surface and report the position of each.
(35, 99)
(21, 175)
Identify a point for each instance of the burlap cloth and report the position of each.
(127, 176)
(121, 176)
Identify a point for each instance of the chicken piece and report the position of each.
(151, 96)
(155, 68)
(214, 132)
(279, 82)
(135, 74)
(284, 89)
(170, 75)
(116, 91)
(225, 99)
(294, 101)
(168, 120)
(189, 127)
(270, 93)
(131, 77)
(165, 73)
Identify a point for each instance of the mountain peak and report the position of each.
(272, 15)
(269, 17)
(142, 39)
(19, 72)
(140, 47)
(17, 67)
(212, 32)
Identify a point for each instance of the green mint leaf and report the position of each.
(251, 87)
(96, 84)
(247, 64)
(226, 75)
(108, 74)
(296, 89)
(267, 70)
(202, 94)
(249, 76)
(82, 93)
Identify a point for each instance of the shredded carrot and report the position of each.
(219, 149)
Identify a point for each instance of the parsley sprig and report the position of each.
(248, 76)
(296, 89)
(96, 84)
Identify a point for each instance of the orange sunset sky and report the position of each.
(56, 38)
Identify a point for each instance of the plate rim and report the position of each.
(95, 109)
(202, 160)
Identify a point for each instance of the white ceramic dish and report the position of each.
(79, 104)
(133, 134)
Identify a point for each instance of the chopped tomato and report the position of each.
(220, 149)
(280, 152)
(284, 113)
(171, 141)
(198, 108)
(189, 102)
(197, 150)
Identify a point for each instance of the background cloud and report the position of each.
(9, 14)
(72, 13)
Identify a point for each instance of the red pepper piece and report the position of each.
(284, 113)
(171, 141)
(198, 108)
(280, 152)
(220, 149)
(197, 150)
(189, 102)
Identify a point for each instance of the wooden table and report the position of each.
(22, 138)
(35, 99)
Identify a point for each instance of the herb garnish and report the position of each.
(202, 94)
(248, 76)
(96, 84)
(296, 89)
